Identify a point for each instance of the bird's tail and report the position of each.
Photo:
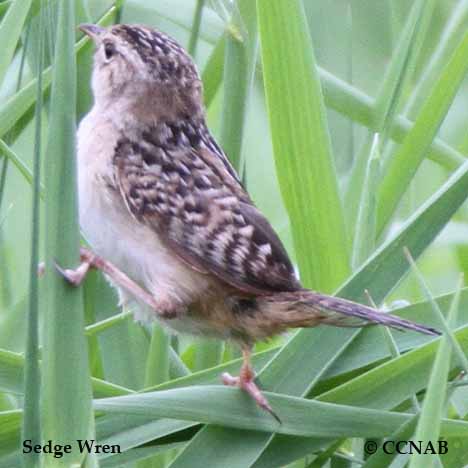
(308, 309)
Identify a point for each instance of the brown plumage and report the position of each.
(160, 202)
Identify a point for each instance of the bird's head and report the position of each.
(143, 67)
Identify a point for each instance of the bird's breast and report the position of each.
(113, 232)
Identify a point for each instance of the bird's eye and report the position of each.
(109, 50)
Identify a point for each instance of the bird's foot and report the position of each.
(246, 381)
(75, 277)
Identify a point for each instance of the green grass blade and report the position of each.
(103, 389)
(450, 38)
(12, 372)
(227, 407)
(3, 174)
(234, 96)
(408, 157)
(195, 32)
(380, 458)
(136, 431)
(107, 323)
(287, 449)
(394, 352)
(301, 144)
(129, 342)
(175, 15)
(66, 386)
(428, 428)
(212, 75)
(282, 374)
(208, 353)
(108, 433)
(383, 387)
(10, 32)
(17, 162)
(460, 354)
(177, 367)
(392, 382)
(240, 57)
(359, 107)
(10, 423)
(137, 454)
(157, 360)
(32, 383)
(211, 376)
(89, 301)
(157, 371)
(388, 265)
(386, 105)
(397, 73)
(4, 7)
(240, 448)
(16, 106)
(364, 238)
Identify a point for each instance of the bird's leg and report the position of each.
(91, 260)
(246, 381)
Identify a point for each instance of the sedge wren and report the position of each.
(167, 217)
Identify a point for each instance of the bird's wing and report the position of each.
(191, 197)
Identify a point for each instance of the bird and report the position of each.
(167, 218)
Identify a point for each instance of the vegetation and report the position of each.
(347, 121)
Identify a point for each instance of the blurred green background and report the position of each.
(347, 121)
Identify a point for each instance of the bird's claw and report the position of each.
(74, 277)
(249, 386)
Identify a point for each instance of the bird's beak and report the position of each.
(92, 30)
